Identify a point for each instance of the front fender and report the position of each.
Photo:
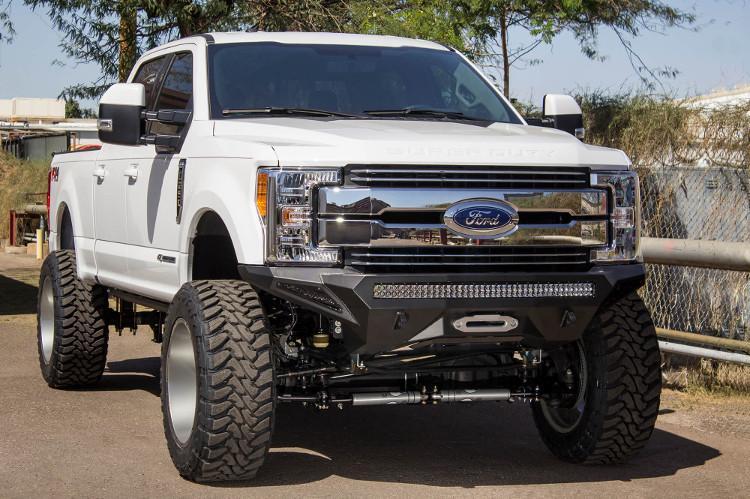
(227, 187)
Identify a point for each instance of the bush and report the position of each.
(667, 132)
(18, 178)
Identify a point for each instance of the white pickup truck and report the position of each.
(345, 220)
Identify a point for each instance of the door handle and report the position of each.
(131, 172)
(100, 172)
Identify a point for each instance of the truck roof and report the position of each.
(308, 38)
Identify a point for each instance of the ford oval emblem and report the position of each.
(481, 218)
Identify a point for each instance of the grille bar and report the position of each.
(441, 171)
(467, 258)
(371, 180)
(472, 264)
(470, 176)
(411, 255)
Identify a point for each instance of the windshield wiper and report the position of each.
(417, 111)
(285, 110)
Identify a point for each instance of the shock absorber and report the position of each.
(425, 397)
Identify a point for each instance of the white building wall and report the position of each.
(720, 98)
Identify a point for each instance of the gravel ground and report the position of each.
(108, 442)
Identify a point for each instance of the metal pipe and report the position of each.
(306, 372)
(485, 395)
(39, 244)
(387, 398)
(697, 253)
(444, 396)
(701, 339)
(707, 353)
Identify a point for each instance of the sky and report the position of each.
(715, 56)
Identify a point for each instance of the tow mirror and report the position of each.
(120, 114)
(563, 113)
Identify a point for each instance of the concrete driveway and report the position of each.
(108, 442)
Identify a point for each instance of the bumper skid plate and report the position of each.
(384, 312)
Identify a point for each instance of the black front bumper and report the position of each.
(375, 325)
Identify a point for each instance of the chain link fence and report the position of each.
(697, 203)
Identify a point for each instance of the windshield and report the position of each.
(349, 81)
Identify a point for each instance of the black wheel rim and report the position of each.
(566, 419)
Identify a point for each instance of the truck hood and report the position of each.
(337, 142)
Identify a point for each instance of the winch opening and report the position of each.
(486, 323)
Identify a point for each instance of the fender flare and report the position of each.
(241, 236)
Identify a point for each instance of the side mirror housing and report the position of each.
(564, 114)
(120, 114)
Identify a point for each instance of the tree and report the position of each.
(113, 34)
(73, 110)
(437, 20)
(297, 15)
(544, 20)
(6, 25)
(484, 28)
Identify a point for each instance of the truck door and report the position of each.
(109, 215)
(154, 259)
(113, 174)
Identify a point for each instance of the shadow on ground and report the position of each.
(131, 374)
(448, 446)
(16, 297)
(445, 446)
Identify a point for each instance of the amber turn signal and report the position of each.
(261, 195)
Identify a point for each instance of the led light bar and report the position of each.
(491, 290)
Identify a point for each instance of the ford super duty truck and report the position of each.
(343, 220)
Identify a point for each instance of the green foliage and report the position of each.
(527, 109)
(105, 31)
(73, 110)
(112, 34)
(484, 29)
(93, 32)
(437, 20)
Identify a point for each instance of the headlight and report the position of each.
(626, 215)
(284, 202)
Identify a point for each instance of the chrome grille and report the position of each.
(391, 219)
(472, 177)
(467, 259)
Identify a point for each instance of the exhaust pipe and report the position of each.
(445, 396)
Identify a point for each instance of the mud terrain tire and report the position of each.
(623, 367)
(72, 334)
(227, 436)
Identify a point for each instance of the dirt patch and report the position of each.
(708, 412)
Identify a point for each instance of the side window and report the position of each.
(148, 74)
(176, 92)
